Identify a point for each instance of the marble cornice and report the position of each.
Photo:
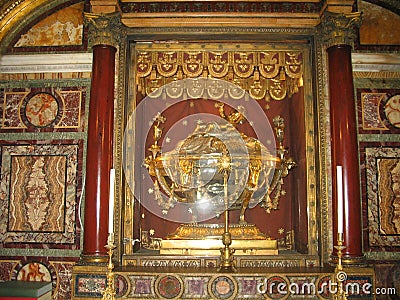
(46, 63)
(136, 14)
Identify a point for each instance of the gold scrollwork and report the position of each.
(195, 88)
(144, 64)
(258, 89)
(237, 90)
(174, 88)
(216, 89)
(293, 64)
(154, 87)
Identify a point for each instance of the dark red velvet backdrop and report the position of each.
(292, 212)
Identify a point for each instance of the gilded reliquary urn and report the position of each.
(218, 168)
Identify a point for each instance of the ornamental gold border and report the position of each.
(312, 137)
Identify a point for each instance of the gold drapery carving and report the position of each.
(104, 29)
(340, 29)
(264, 74)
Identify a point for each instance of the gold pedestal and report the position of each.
(206, 239)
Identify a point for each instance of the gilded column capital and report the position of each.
(104, 29)
(340, 28)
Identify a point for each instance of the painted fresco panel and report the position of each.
(62, 28)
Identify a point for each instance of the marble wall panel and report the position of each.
(378, 111)
(376, 28)
(196, 287)
(63, 271)
(219, 285)
(6, 266)
(47, 109)
(89, 285)
(39, 200)
(381, 182)
(36, 268)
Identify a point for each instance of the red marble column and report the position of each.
(99, 153)
(345, 149)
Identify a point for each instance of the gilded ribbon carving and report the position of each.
(243, 63)
(269, 64)
(193, 63)
(218, 64)
(144, 64)
(264, 74)
(167, 63)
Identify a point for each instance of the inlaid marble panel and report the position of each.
(371, 119)
(64, 276)
(37, 193)
(39, 198)
(382, 176)
(42, 109)
(379, 111)
(6, 266)
(196, 287)
(142, 286)
(90, 285)
(169, 283)
(37, 268)
(248, 287)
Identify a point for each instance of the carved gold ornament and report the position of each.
(264, 74)
(180, 173)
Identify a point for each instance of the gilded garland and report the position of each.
(264, 74)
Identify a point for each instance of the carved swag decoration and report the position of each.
(264, 74)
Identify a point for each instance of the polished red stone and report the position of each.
(345, 147)
(99, 151)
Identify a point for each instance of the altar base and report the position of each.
(206, 239)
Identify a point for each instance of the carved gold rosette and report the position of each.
(264, 74)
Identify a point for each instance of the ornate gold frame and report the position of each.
(312, 258)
